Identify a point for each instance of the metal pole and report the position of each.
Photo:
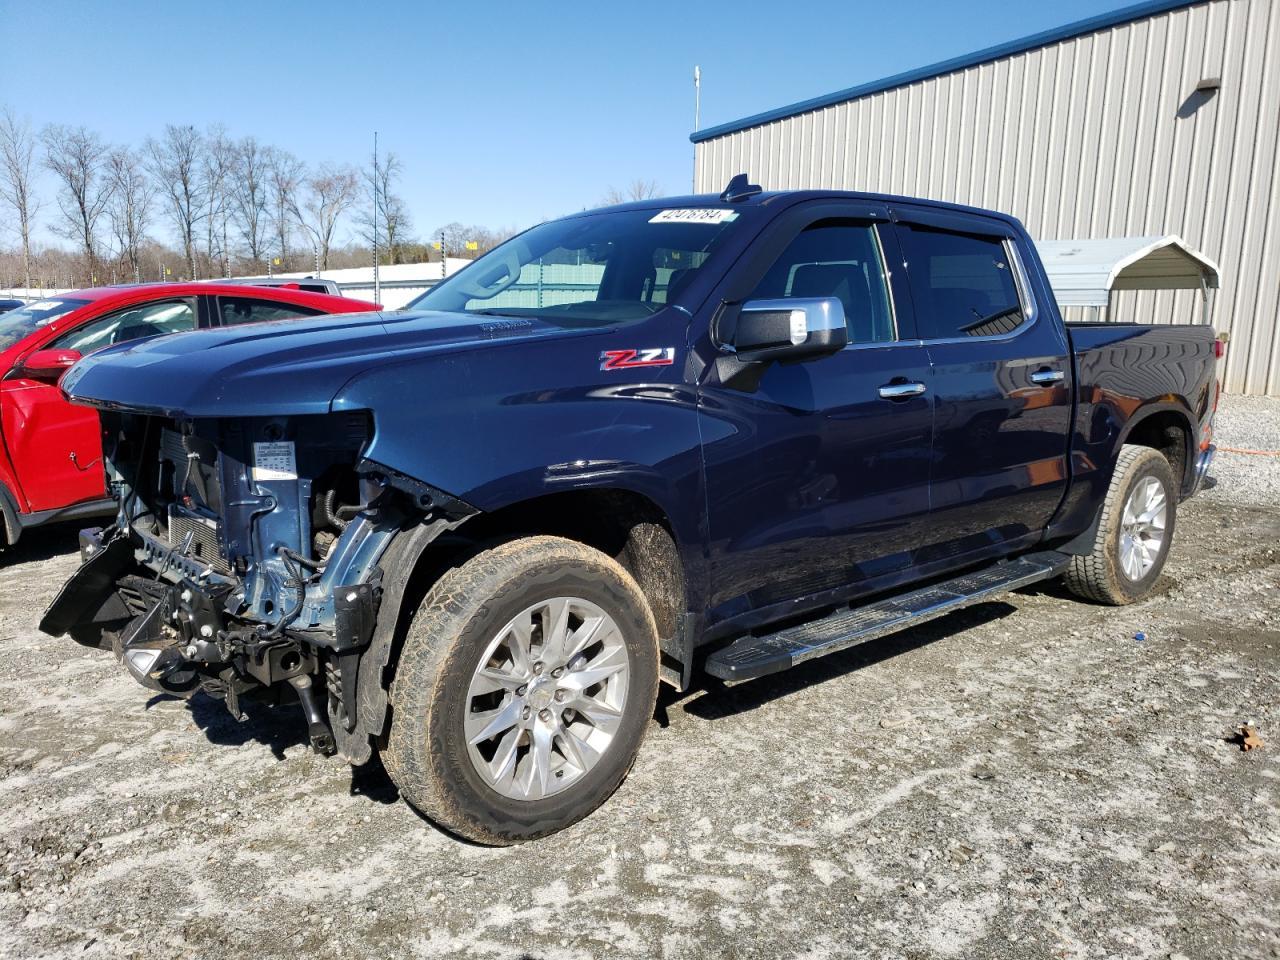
(697, 119)
(377, 286)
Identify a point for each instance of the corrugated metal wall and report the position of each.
(1100, 135)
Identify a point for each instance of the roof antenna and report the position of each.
(740, 189)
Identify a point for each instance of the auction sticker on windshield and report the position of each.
(274, 461)
(695, 215)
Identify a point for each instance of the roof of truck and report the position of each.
(788, 197)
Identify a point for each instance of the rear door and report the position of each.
(56, 446)
(1001, 385)
(817, 472)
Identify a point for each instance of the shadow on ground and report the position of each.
(278, 727)
(711, 699)
(45, 543)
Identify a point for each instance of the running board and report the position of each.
(750, 657)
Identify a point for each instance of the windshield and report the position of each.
(601, 268)
(22, 322)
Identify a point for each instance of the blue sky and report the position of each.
(503, 114)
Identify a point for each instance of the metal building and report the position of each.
(1162, 118)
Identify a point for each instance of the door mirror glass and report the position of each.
(48, 366)
(789, 328)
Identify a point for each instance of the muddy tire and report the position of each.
(1134, 532)
(524, 689)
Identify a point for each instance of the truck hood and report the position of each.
(285, 367)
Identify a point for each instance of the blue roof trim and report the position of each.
(1044, 38)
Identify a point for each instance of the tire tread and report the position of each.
(412, 756)
(1094, 576)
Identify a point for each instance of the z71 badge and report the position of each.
(626, 359)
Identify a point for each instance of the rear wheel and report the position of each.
(1134, 532)
(523, 691)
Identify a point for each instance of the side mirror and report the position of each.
(48, 366)
(789, 329)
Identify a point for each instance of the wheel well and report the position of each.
(1170, 433)
(626, 526)
(10, 528)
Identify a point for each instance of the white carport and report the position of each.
(1083, 273)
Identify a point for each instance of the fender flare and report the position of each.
(1190, 433)
(373, 685)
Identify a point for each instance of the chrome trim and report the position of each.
(884, 280)
(820, 313)
(882, 344)
(897, 391)
(1203, 462)
(1046, 377)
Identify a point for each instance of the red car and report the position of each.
(51, 457)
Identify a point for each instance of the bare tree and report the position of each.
(75, 155)
(329, 193)
(635, 190)
(175, 163)
(250, 173)
(17, 188)
(130, 209)
(387, 210)
(218, 161)
(285, 174)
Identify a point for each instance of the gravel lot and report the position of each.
(1021, 779)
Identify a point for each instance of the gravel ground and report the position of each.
(1021, 779)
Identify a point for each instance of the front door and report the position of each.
(56, 446)
(1001, 384)
(815, 480)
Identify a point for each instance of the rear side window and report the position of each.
(236, 310)
(963, 285)
(841, 259)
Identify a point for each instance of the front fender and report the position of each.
(499, 426)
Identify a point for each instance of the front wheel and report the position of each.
(1134, 532)
(523, 692)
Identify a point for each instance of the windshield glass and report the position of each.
(20, 323)
(598, 269)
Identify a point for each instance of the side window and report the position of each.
(237, 310)
(963, 285)
(133, 323)
(836, 258)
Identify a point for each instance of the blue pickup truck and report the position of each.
(714, 435)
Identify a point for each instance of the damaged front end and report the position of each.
(244, 560)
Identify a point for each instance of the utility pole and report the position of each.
(377, 286)
(697, 118)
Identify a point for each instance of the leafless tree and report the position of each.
(76, 155)
(285, 174)
(218, 162)
(327, 196)
(17, 176)
(635, 190)
(130, 209)
(250, 175)
(392, 215)
(176, 165)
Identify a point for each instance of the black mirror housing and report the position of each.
(792, 328)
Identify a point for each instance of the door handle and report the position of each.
(1046, 377)
(901, 391)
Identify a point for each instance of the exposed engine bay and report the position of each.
(243, 559)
